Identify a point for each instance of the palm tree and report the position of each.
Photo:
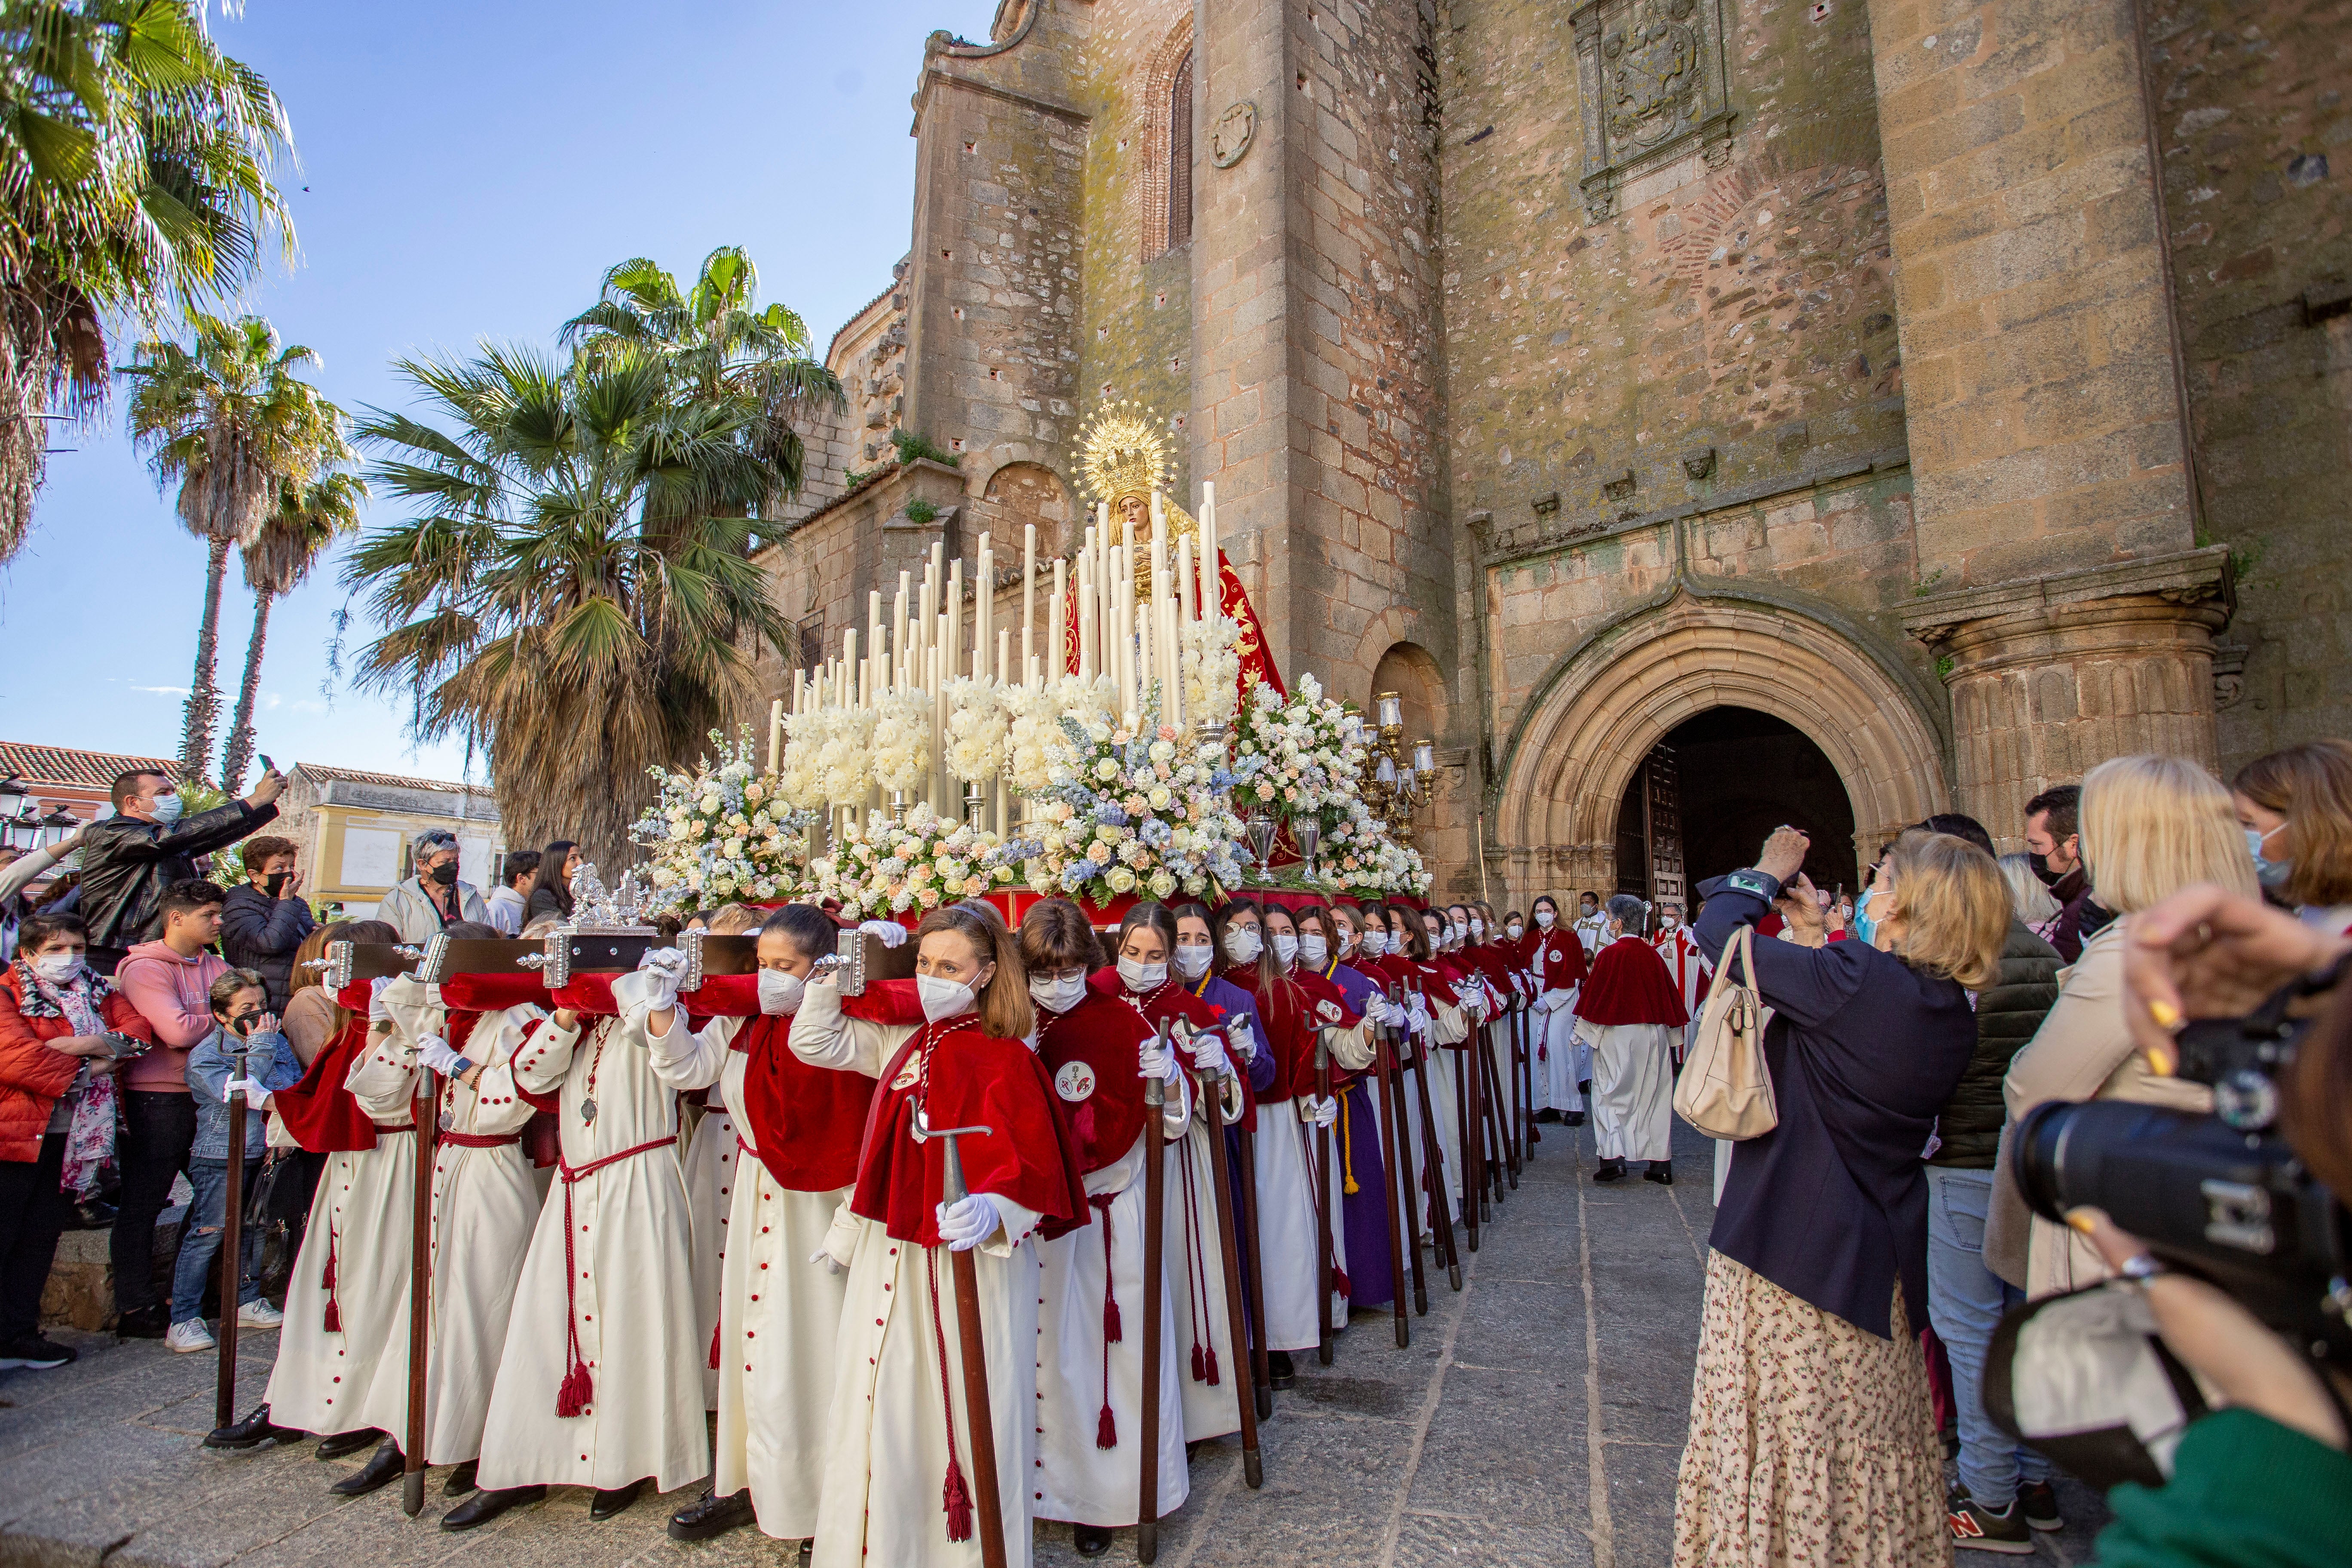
(746, 366)
(227, 417)
(309, 520)
(569, 593)
(134, 172)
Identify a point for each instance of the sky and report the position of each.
(467, 171)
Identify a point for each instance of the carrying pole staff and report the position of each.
(1253, 1282)
(1384, 1067)
(1433, 1148)
(1229, 1253)
(1466, 1125)
(1401, 1173)
(420, 1292)
(1322, 1204)
(232, 1250)
(1155, 1198)
(980, 1418)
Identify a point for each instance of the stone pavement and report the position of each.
(1537, 1418)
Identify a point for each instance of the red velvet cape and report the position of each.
(1558, 960)
(1091, 1053)
(319, 1111)
(973, 1079)
(805, 1121)
(1631, 985)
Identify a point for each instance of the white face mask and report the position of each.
(1477, 927)
(1457, 933)
(1313, 948)
(1514, 931)
(1376, 942)
(779, 992)
(1286, 947)
(1544, 919)
(1243, 945)
(58, 968)
(1192, 962)
(1347, 942)
(1058, 996)
(944, 998)
(1591, 910)
(1139, 977)
(1668, 923)
(167, 808)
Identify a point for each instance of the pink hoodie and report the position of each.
(173, 995)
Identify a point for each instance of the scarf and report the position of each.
(90, 1132)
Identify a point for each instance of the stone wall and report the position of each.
(2255, 132)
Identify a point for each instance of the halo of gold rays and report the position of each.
(1122, 452)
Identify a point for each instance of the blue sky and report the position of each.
(471, 171)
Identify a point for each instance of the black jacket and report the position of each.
(127, 864)
(2009, 1011)
(546, 901)
(260, 933)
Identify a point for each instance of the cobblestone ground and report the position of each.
(1536, 1418)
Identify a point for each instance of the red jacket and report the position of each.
(32, 1076)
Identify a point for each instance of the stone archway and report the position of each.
(1591, 723)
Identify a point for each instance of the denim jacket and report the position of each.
(271, 1062)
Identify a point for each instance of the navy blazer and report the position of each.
(1832, 1204)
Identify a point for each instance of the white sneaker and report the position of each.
(188, 1337)
(258, 1313)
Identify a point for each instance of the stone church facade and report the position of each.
(1966, 384)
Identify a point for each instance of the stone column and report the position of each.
(2051, 678)
(2041, 377)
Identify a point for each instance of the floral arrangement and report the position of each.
(900, 742)
(1212, 670)
(830, 758)
(1130, 811)
(1038, 751)
(723, 832)
(1311, 755)
(978, 724)
(1359, 858)
(918, 863)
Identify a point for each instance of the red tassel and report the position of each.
(1199, 1373)
(1339, 1283)
(573, 1394)
(956, 1498)
(1213, 1366)
(332, 1319)
(1106, 1430)
(1112, 1332)
(714, 1347)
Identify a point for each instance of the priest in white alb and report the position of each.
(1631, 1015)
(1687, 966)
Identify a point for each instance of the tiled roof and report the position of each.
(66, 767)
(394, 781)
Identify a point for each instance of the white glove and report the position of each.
(1152, 1061)
(966, 1224)
(831, 1264)
(1419, 1010)
(1541, 1005)
(1317, 1112)
(1208, 1052)
(1245, 1038)
(250, 1087)
(377, 1012)
(664, 968)
(889, 934)
(435, 1053)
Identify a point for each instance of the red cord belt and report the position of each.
(480, 1140)
(571, 1395)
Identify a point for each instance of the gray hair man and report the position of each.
(434, 898)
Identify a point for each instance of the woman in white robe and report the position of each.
(1558, 968)
(607, 1273)
(485, 1205)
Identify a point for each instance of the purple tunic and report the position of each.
(1365, 1211)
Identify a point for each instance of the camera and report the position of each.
(2220, 1196)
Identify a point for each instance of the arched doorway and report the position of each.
(1709, 792)
(1590, 726)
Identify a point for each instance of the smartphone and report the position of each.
(267, 765)
(118, 1045)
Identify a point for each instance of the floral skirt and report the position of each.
(1811, 1441)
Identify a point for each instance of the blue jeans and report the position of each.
(1965, 1301)
(200, 1239)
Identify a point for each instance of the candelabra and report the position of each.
(1397, 780)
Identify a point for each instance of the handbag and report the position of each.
(1725, 1089)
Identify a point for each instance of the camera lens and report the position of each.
(2245, 1099)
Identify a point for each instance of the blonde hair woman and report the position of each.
(2150, 826)
(1811, 1436)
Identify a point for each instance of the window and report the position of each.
(1180, 155)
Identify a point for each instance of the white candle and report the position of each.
(1028, 591)
(1005, 656)
(1143, 666)
(862, 692)
(1086, 621)
(983, 610)
(1185, 584)
(1211, 574)
(1057, 631)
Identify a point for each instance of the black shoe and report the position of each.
(1661, 1171)
(1091, 1540)
(614, 1500)
(335, 1445)
(461, 1479)
(382, 1468)
(90, 1213)
(1547, 1114)
(484, 1507)
(251, 1433)
(712, 1516)
(143, 1323)
(1279, 1372)
(1584, 1088)
(1573, 1119)
(36, 1352)
(2038, 1500)
(1610, 1171)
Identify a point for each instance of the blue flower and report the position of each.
(1110, 813)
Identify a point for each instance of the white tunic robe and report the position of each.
(634, 1302)
(1195, 1253)
(1446, 1025)
(1077, 1481)
(1691, 974)
(709, 1173)
(485, 1205)
(887, 1435)
(779, 1313)
(1286, 1210)
(1632, 1089)
(361, 1222)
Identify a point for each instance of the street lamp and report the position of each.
(13, 797)
(58, 825)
